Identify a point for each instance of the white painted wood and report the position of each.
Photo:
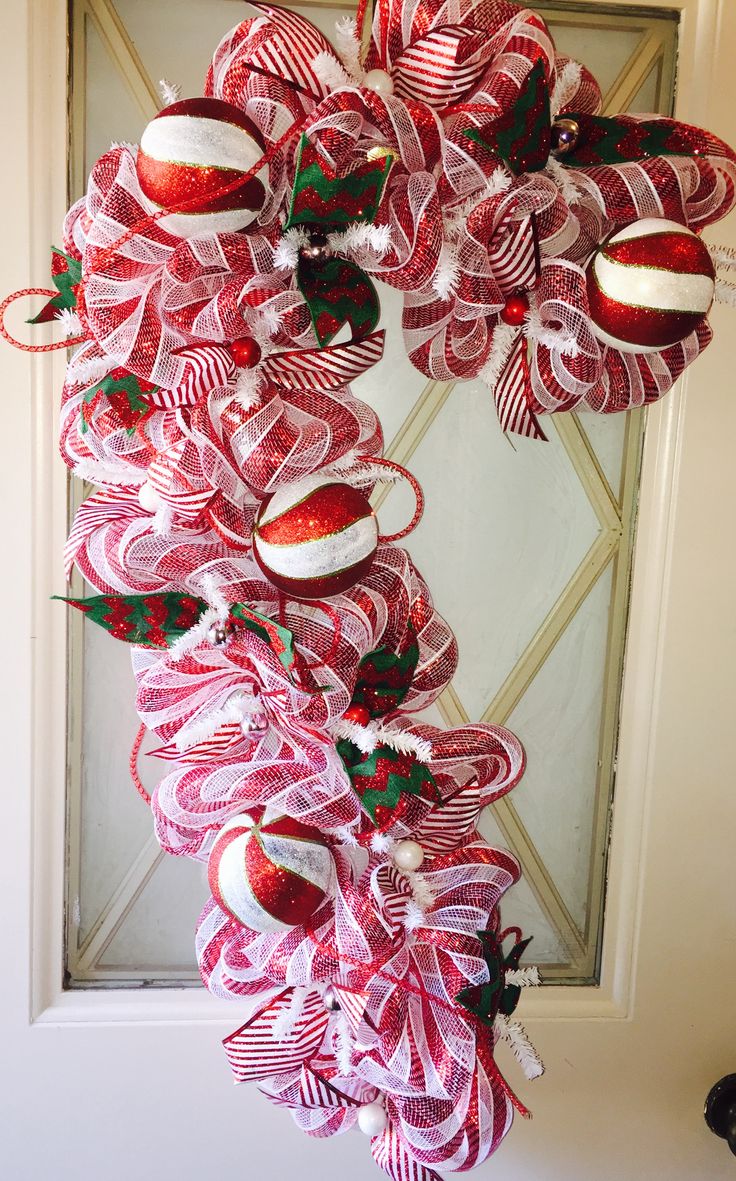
(121, 1084)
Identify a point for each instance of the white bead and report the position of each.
(372, 1119)
(408, 855)
(379, 81)
(148, 498)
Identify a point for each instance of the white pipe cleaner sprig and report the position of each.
(368, 737)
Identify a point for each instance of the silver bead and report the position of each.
(329, 1000)
(317, 249)
(565, 135)
(219, 634)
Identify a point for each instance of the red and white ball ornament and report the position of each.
(649, 286)
(194, 149)
(269, 874)
(316, 537)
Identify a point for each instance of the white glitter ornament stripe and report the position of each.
(236, 892)
(308, 859)
(325, 556)
(194, 140)
(649, 287)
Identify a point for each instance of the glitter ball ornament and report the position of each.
(372, 1119)
(193, 149)
(245, 352)
(379, 82)
(315, 538)
(649, 286)
(515, 308)
(269, 875)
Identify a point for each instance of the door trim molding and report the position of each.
(39, 202)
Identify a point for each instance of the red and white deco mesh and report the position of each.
(396, 946)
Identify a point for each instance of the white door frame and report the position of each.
(661, 652)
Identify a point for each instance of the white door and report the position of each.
(108, 1078)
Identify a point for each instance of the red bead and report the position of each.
(245, 352)
(515, 309)
(358, 714)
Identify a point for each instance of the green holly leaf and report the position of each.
(620, 139)
(495, 996)
(126, 394)
(380, 778)
(155, 621)
(521, 136)
(66, 275)
(338, 292)
(384, 677)
(278, 638)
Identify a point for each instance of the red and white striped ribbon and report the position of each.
(324, 369)
(442, 66)
(208, 366)
(512, 255)
(259, 1048)
(512, 395)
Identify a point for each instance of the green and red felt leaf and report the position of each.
(381, 777)
(66, 275)
(338, 292)
(521, 136)
(156, 620)
(278, 638)
(126, 393)
(150, 620)
(384, 677)
(621, 140)
(495, 996)
(322, 197)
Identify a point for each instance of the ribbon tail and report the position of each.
(513, 395)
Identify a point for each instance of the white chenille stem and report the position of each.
(560, 341)
(248, 388)
(290, 1014)
(403, 741)
(446, 276)
(725, 293)
(286, 252)
(564, 178)
(202, 728)
(523, 977)
(420, 888)
(97, 473)
(381, 843)
(514, 1034)
(197, 634)
(89, 370)
(348, 46)
(723, 256)
(330, 72)
(170, 92)
(504, 336)
(70, 323)
(361, 736)
(212, 593)
(414, 916)
(566, 86)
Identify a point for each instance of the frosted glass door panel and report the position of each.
(526, 548)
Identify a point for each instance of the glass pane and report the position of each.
(526, 549)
